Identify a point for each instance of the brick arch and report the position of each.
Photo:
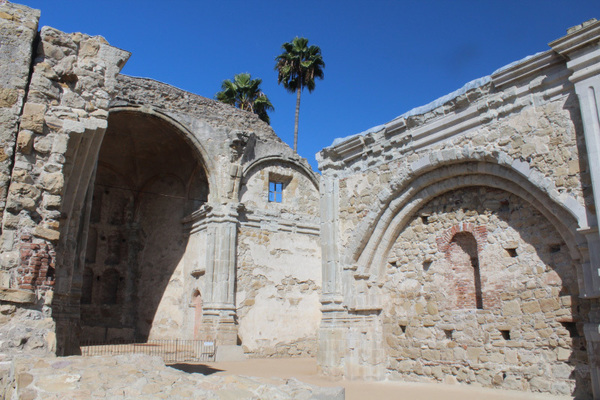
(462, 246)
(479, 234)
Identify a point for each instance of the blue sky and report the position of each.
(382, 57)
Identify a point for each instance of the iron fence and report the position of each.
(171, 351)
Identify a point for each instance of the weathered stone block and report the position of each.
(53, 182)
(550, 304)
(25, 142)
(531, 307)
(8, 97)
(33, 117)
(46, 233)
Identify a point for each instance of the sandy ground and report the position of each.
(305, 369)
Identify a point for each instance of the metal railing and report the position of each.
(171, 351)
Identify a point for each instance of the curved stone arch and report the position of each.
(312, 176)
(205, 160)
(372, 261)
(438, 166)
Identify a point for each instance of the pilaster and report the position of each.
(581, 48)
(218, 320)
(331, 296)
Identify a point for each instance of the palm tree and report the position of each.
(298, 66)
(244, 93)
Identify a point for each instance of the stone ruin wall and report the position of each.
(66, 107)
(399, 292)
(60, 246)
(279, 263)
(529, 128)
(527, 333)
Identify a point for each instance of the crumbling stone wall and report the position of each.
(18, 29)
(279, 274)
(158, 260)
(527, 332)
(63, 118)
(436, 223)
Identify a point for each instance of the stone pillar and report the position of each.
(331, 297)
(581, 48)
(218, 320)
(333, 331)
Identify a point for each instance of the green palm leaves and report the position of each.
(298, 67)
(244, 93)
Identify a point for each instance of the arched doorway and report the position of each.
(148, 178)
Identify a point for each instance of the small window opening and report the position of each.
(512, 252)
(505, 334)
(554, 248)
(571, 327)
(425, 219)
(50, 274)
(275, 192)
(448, 333)
(403, 327)
(426, 265)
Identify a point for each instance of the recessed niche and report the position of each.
(511, 252)
(505, 334)
(425, 218)
(571, 327)
(403, 327)
(427, 264)
(448, 333)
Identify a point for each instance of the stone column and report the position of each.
(332, 344)
(581, 48)
(218, 319)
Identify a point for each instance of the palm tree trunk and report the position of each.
(296, 123)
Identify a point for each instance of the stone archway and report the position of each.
(148, 178)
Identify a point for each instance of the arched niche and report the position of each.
(150, 174)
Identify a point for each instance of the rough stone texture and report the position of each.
(461, 241)
(142, 377)
(434, 327)
(125, 203)
(67, 103)
(434, 227)
(18, 29)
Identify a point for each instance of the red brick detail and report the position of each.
(478, 232)
(462, 244)
(37, 265)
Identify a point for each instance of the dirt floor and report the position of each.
(305, 369)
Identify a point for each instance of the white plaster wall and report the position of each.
(279, 281)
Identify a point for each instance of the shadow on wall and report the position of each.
(148, 178)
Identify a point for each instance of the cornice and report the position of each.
(580, 36)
